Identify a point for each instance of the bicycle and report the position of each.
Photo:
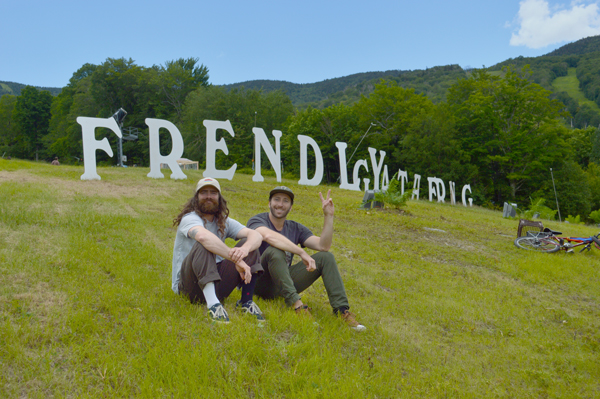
(549, 241)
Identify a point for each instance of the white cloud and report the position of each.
(539, 27)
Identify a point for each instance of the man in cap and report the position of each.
(204, 268)
(280, 242)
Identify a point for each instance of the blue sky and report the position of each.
(44, 42)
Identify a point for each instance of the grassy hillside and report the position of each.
(570, 84)
(453, 309)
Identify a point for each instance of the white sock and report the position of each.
(210, 294)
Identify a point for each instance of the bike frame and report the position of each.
(568, 243)
(574, 242)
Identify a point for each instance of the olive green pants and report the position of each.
(280, 280)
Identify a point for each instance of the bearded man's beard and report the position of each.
(209, 207)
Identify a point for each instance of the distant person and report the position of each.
(281, 237)
(204, 268)
(55, 161)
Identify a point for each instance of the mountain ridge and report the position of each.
(432, 82)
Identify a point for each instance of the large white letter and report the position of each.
(376, 166)
(343, 171)
(402, 176)
(464, 193)
(176, 151)
(90, 144)
(432, 191)
(355, 179)
(385, 179)
(452, 193)
(416, 187)
(355, 186)
(212, 146)
(305, 141)
(261, 140)
(439, 191)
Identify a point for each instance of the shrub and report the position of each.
(574, 220)
(393, 196)
(537, 206)
(595, 216)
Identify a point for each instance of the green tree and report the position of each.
(433, 148)
(100, 90)
(510, 129)
(176, 79)
(8, 128)
(64, 139)
(244, 109)
(593, 180)
(573, 190)
(32, 116)
(328, 126)
(120, 83)
(595, 150)
(581, 143)
(396, 112)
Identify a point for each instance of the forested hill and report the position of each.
(581, 59)
(572, 73)
(583, 55)
(15, 88)
(432, 82)
(588, 45)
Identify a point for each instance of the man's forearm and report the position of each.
(326, 237)
(211, 242)
(253, 241)
(279, 241)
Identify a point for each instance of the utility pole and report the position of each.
(253, 146)
(119, 117)
(555, 196)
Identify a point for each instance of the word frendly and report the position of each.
(261, 141)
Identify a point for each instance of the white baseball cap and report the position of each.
(208, 181)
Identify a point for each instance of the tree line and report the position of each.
(500, 133)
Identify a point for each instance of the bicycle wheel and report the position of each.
(537, 244)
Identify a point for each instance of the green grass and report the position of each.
(86, 308)
(570, 84)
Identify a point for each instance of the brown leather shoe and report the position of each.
(351, 321)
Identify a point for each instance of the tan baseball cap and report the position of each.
(208, 181)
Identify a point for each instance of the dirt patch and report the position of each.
(30, 299)
(92, 188)
(448, 240)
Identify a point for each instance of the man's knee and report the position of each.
(274, 255)
(199, 251)
(324, 260)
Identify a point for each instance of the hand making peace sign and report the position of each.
(328, 208)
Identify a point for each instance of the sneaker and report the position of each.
(250, 308)
(218, 313)
(351, 321)
(303, 310)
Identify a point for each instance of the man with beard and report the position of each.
(280, 242)
(204, 268)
